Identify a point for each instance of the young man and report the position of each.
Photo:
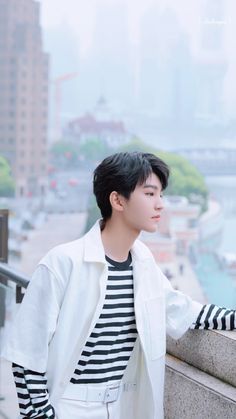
(89, 338)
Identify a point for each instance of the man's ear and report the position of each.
(117, 201)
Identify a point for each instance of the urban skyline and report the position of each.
(157, 61)
(168, 85)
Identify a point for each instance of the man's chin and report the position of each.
(151, 229)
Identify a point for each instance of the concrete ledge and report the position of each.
(210, 351)
(193, 394)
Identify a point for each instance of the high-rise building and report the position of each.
(23, 95)
(165, 89)
(109, 71)
(212, 59)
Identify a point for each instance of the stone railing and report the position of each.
(201, 376)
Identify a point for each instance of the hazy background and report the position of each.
(80, 79)
(166, 67)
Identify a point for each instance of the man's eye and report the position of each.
(149, 193)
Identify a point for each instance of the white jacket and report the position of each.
(61, 307)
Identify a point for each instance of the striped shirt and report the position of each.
(32, 393)
(108, 349)
(214, 317)
(33, 397)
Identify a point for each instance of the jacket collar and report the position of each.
(94, 250)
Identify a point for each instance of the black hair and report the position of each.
(122, 172)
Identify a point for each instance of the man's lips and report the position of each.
(156, 217)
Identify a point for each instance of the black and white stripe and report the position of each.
(213, 317)
(108, 349)
(32, 393)
(33, 397)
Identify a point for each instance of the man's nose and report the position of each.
(159, 203)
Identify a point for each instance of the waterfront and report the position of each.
(223, 188)
(229, 235)
(218, 286)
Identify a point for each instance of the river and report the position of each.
(220, 287)
(223, 188)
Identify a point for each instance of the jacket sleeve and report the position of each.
(32, 393)
(181, 310)
(28, 336)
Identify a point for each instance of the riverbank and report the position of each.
(183, 278)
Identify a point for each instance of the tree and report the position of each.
(7, 186)
(94, 149)
(185, 179)
(135, 144)
(65, 153)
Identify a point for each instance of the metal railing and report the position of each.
(18, 278)
(21, 281)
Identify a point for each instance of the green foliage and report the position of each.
(94, 149)
(65, 153)
(7, 187)
(62, 147)
(135, 144)
(185, 179)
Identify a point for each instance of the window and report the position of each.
(12, 100)
(12, 87)
(19, 37)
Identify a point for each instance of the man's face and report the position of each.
(143, 208)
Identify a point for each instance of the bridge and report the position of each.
(211, 161)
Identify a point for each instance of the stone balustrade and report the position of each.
(201, 376)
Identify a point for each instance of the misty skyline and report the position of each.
(157, 57)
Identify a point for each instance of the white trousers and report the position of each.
(76, 409)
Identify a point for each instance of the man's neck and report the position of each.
(117, 240)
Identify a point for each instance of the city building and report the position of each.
(100, 124)
(177, 231)
(211, 224)
(212, 60)
(24, 95)
(108, 67)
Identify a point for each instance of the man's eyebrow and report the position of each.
(151, 186)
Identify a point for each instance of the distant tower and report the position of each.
(109, 59)
(165, 66)
(23, 95)
(150, 60)
(212, 60)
